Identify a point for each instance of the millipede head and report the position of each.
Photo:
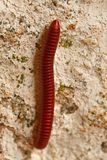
(55, 25)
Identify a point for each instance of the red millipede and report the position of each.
(46, 114)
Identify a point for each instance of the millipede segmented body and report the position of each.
(47, 109)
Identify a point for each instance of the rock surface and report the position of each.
(80, 121)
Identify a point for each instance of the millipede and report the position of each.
(46, 113)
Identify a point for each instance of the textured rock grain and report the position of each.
(80, 122)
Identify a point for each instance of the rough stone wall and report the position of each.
(80, 122)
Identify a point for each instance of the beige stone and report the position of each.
(80, 120)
